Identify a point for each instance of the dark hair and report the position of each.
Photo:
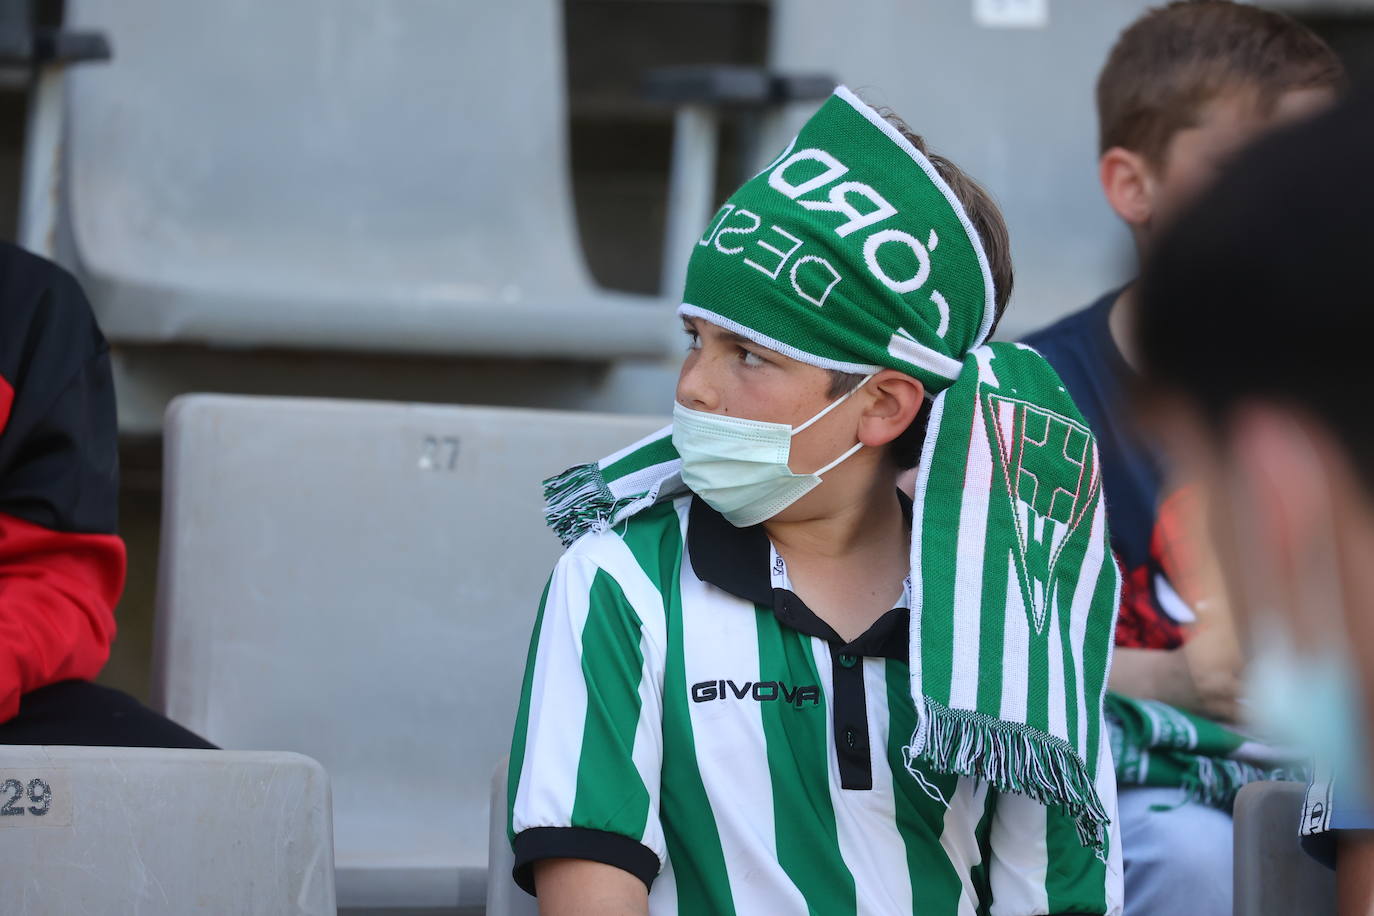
(1260, 290)
(987, 221)
(1175, 59)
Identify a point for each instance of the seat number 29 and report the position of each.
(18, 799)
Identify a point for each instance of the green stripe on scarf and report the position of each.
(1012, 536)
(1155, 744)
(850, 252)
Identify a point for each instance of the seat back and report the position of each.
(504, 897)
(1273, 876)
(164, 832)
(1012, 107)
(357, 581)
(348, 173)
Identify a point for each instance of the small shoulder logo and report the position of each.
(758, 691)
(1051, 479)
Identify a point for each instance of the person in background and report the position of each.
(1252, 313)
(62, 564)
(1185, 87)
(1336, 828)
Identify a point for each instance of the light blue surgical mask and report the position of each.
(739, 467)
(1309, 701)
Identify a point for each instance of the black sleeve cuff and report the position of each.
(538, 843)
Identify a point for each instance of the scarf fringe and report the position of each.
(1216, 782)
(578, 502)
(1012, 758)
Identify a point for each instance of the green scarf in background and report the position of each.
(849, 252)
(1155, 744)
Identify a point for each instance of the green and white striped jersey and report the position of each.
(687, 718)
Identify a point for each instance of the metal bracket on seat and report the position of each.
(40, 47)
(699, 94)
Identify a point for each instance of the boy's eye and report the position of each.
(750, 358)
(693, 339)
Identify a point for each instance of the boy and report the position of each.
(762, 682)
(1282, 445)
(1184, 88)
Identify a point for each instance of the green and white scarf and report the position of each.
(849, 252)
(1155, 744)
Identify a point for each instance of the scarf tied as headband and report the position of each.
(850, 252)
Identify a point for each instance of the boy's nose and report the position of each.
(694, 389)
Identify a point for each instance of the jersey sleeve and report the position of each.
(1326, 812)
(62, 566)
(586, 757)
(1038, 865)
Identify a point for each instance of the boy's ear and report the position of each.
(1129, 184)
(897, 399)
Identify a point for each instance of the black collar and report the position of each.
(735, 560)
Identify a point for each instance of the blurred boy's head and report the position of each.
(1189, 84)
(1255, 322)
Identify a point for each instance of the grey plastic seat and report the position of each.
(1273, 876)
(357, 581)
(504, 897)
(1013, 107)
(381, 175)
(164, 832)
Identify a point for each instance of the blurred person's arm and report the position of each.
(1355, 872)
(61, 565)
(1199, 677)
(1203, 676)
(577, 887)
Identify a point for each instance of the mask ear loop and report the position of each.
(836, 463)
(858, 445)
(833, 404)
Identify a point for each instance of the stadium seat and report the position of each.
(163, 832)
(373, 175)
(357, 581)
(1273, 876)
(1012, 106)
(504, 898)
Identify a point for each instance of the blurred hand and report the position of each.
(1202, 677)
(1210, 677)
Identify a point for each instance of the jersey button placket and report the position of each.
(851, 722)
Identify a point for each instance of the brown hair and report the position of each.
(1175, 59)
(992, 231)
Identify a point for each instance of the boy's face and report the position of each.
(1226, 125)
(730, 375)
(1147, 194)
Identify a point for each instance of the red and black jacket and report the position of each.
(61, 564)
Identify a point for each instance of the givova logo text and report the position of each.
(759, 691)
